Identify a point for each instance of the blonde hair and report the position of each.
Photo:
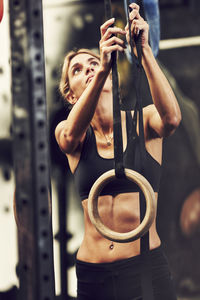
(64, 81)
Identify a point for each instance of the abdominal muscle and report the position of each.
(121, 214)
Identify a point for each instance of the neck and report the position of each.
(103, 117)
(102, 121)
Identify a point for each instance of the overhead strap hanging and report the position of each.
(146, 275)
(117, 129)
(146, 278)
(119, 171)
(136, 74)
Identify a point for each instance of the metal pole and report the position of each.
(30, 151)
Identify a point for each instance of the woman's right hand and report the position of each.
(110, 42)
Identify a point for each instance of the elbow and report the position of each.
(174, 121)
(64, 140)
(67, 144)
(171, 124)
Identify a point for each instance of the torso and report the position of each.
(119, 212)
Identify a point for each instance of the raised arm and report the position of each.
(165, 116)
(71, 132)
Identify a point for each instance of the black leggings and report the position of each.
(120, 280)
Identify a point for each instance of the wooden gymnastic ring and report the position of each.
(148, 219)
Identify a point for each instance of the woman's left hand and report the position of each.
(138, 24)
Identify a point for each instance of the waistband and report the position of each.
(123, 263)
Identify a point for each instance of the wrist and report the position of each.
(146, 54)
(146, 50)
(104, 71)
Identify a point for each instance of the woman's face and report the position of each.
(82, 69)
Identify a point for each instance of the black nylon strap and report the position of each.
(108, 9)
(117, 129)
(146, 275)
(146, 278)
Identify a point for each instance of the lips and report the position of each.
(89, 78)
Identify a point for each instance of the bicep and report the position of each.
(154, 124)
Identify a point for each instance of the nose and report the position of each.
(89, 69)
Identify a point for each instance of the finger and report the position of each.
(105, 26)
(133, 27)
(138, 25)
(134, 6)
(108, 50)
(112, 31)
(127, 33)
(134, 14)
(126, 27)
(113, 41)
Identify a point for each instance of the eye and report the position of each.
(94, 63)
(76, 70)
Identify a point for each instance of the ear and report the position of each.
(71, 98)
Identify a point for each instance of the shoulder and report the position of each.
(81, 150)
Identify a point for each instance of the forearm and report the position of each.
(165, 116)
(161, 91)
(84, 109)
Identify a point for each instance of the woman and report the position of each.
(108, 270)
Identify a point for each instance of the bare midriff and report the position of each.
(121, 214)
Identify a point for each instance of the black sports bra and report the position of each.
(91, 166)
